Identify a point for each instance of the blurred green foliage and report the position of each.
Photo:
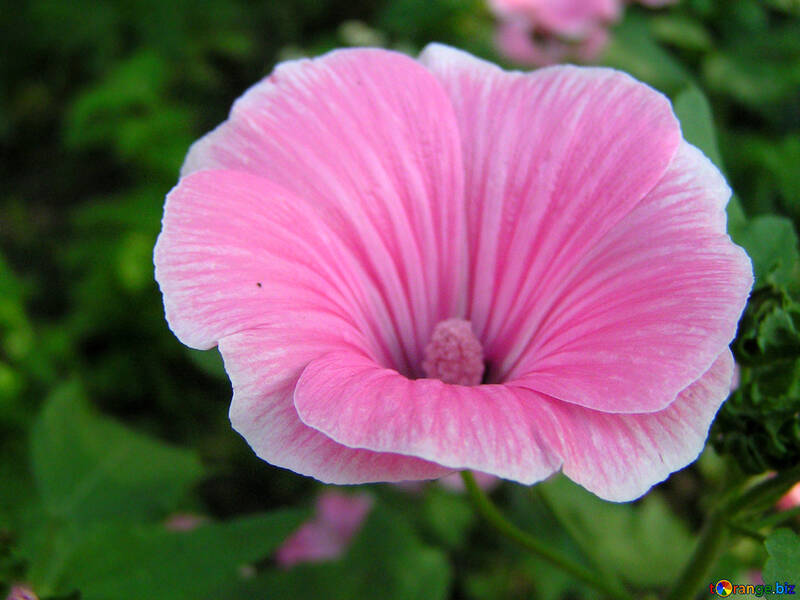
(783, 546)
(101, 102)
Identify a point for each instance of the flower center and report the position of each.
(454, 354)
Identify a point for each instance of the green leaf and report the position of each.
(771, 242)
(747, 81)
(386, 561)
(770, 174)
(778, 330)
(208, 361)
(448, 516)
(697, 124)
(620, 536)
(131, 562)
(682, 32)
(757, 64)
(132, 112)
(789, 6)
(88, 468)
(783, 564)
(633, 49)
(127, 561)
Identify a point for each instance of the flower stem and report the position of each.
(779, 518)
(491, 513)
(715, 532)
(575, 534)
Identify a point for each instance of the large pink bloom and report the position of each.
(364, 220)
(544, 32)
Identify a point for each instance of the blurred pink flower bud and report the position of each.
(790, 500)
(545, 32)
(184, 522)
(328, 534)
(21, 592)
(755, 577)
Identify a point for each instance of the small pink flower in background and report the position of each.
(791, 499)
(21, 592)
(328, 534)
(184, 522)
(545, 32)
(567, 18)
(358, 206)
(515, 39)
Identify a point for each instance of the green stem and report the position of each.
(745, 531)
(715, 532)
(779, 518)
(491, 513)
(767, 491)
(577, 537)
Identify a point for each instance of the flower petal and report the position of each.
(488, 428)
(264, 365)
(238, 252)
(554, 160)
(368, 137)
(649, 308)
(245, 264)
(619, 457)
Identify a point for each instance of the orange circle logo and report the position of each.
(723, 588)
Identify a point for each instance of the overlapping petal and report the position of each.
(246, 264)
(234, 254)
(619, 457)
(577, 150)
(650, 307)
(509, 431)
(264, 366)
(369, 138)
(488, 428)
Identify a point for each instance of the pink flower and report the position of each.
(544, 32)
(362, 214)
(184, 522)
(326, 537)
(519, 42)
(566, 18)
(791, 499)
(21, 592)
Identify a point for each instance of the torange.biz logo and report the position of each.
(725, 588)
